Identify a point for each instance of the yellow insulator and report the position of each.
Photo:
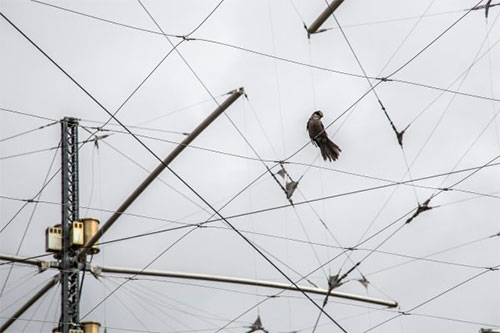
(91, 227)
(90, 327)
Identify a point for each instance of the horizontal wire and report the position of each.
(190, 146)
(27, 114)
(475, 276)
(31, 152)
(263, 53)
(28, 131)
(275, 207)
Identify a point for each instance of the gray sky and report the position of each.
(235, 48)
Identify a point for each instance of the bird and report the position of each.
(329, 150)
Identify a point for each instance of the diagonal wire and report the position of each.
(433, 41)
(417, 212)
(26, 114)
(28, 131)
(36, 197)
(366, 76)
(373, 86)
(144, 268)
(268, 55)
(432, 254)
(475, 276)
(216, 211)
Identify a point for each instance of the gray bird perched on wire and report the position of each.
(329, 150)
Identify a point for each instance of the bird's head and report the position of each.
(318, 113)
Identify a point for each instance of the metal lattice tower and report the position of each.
(70, 288)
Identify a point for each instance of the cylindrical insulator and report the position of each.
(91, 227)
(90, 327)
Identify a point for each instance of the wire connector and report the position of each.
(421, 208)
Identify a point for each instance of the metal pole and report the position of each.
(324, 16)
(228, 279)
(24, 260)
(41, 264)
(30, 302)
(222, 107)
(70, 285)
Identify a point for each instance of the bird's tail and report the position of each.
(329, 150)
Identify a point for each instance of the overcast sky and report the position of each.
(443, 88)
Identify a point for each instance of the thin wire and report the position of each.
(28, 131)
(475, 276)
(408, 18)
(155, 119)
(285, 206)
(143, 269)
(27, 201)
(419, 19)
(201, 286)
(466, 73)
(435, 254)
(149, 304)
(401, 227)
(151, 298)
(298, 12)
(148, 171)
(276, 74)
(27, 114)
(271, 56)
(3, 158)
(188, 146)
(396, 132)
(408, 166)
(339, 245)
(309, 242)
(447, 89)
(33, 314)
(54, 296)
(198, 78)
(211, 207)
(20, 281)
(259, 122)
(372, 87)
(154, 294)
(81, 143)
(127, 308)
(174, 48)
(20, 298)
(491, 81)
(433, 41)
(36, 197)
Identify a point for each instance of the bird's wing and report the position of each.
(315, 127)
